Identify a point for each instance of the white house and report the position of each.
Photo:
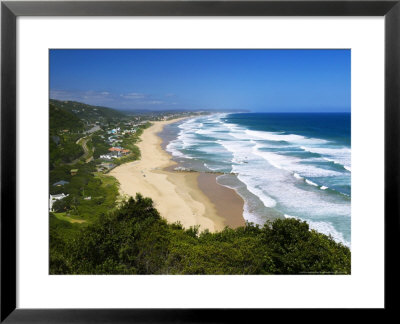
(106, 156)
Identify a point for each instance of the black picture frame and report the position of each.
(11, 10)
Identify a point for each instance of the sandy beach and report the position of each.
(188, 197)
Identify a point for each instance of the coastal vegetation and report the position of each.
(134, 239)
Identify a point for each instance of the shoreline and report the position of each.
(191, 198)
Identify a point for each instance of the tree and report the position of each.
(134, 239)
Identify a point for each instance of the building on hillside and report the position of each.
(115, 149)
(74, 171)
(114, 131)
(115, 155)
(60, 183)
(105, 167)
(106, 156)
(56, 139)
(118, 151)
(125, 152)
(54, 198)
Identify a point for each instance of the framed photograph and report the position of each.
(164, 158)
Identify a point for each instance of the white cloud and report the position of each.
(133, 100)
(152, 102)
(90, 96)
(133, 95)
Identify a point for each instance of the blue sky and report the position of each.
(255, 80)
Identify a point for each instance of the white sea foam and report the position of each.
(297, 176)
(269, 185)
(254, 187)
(212, 168)
(311, 183)
(337, 155)
(175, 152)
(269, 166)
(202, 132)
(293, 165)
(270, 136)
(247, 174)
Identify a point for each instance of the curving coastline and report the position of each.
(187, 197)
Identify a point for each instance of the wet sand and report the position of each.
(228, 203)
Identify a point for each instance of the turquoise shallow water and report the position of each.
(287, 165)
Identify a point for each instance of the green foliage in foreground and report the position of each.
(135, 240)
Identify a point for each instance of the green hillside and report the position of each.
(61, 119)
(65, 129)
(88, 113)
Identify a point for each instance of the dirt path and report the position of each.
(86, 151)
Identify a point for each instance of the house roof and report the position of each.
(74, 170)
(60, 183)
(115, 149)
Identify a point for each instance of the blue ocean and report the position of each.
(281, 164)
